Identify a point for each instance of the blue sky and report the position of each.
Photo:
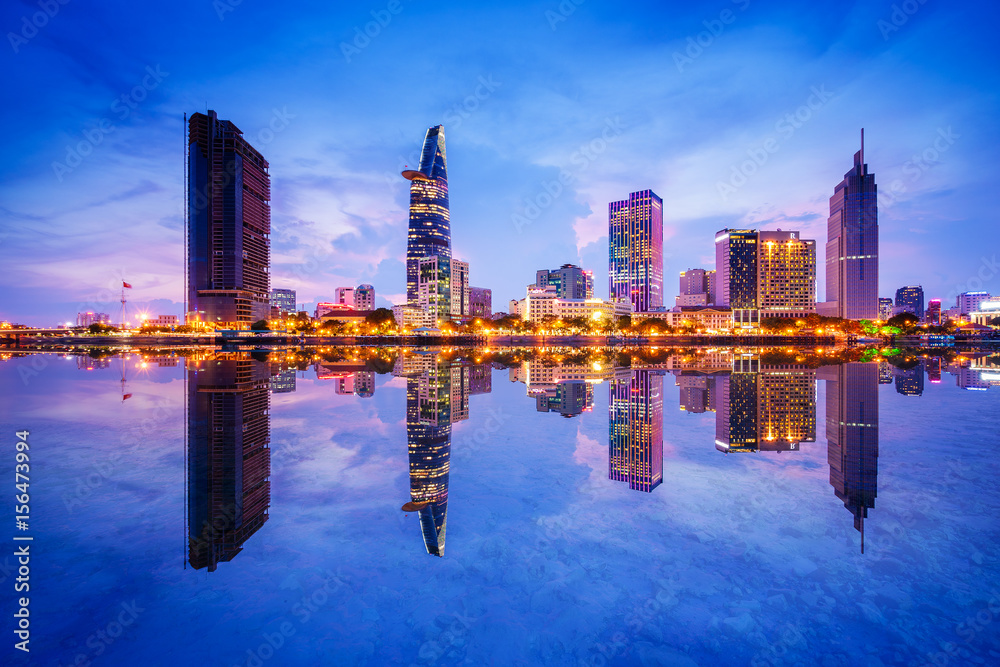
(550, 110)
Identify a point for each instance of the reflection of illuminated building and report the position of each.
(228, 430)
(852, 436)
(283, 382)
(910, 381)
(697, 392)
(635, 430)
(884, 372)
(770, 409)
(934, 370)
(361, 383)
(88, 363)
(567, 398)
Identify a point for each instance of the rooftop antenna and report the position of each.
(862, 145)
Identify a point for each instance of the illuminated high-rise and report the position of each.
(736, 274)
(635, 430)
(910, 299)
(786, 275)
(228, 226)
(635, 247)
(429, 232)
(852, 244)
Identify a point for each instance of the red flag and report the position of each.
(125, 284)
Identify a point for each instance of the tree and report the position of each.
(774, 324)
(259, 325)
(904, 321)
(995, 322)
(380, 317)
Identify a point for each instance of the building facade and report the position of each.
(480, 302)
(852, 243)
(364, 297)
(884, 308)
(736, 274)
(86, 319)
(786, 275)
(229, 224)
(635, 246)
(344, 296)
(635, 430)
(697, 288)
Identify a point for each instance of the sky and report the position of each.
(738, 113)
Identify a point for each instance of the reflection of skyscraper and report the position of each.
(567, 398)
(428, 437)
(934, 370)
(910, 381)
(697, 392)
(884, 372)
(736, 418)
(228, 430)
(635, 430)
(852, 436)
(635, 243)
(283, 382)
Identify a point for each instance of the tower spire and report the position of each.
(862, 146)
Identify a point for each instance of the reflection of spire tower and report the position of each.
(428, 437)
(635, 431)
(229, 462)
(852, 437)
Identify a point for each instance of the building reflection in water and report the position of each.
(910, 381)
(228, 466)
(635, 430)
(437, 396)
(852, 436)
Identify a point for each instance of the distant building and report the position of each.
(852, 246)
(86, 319)
(162, 321)
(364, 297)
(909, 381)
(969, 302)
(933, 314)
(344, 296)
(459, 291)
(283, 382)
(884, 308)
(229, 224)
(987, 313)
(542, 302)
(284, 301)
(635, 247)
(570, 281)
(910, 299)
(480, 302)
(697, 288)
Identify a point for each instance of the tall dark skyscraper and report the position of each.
(229, 462)
(852, 436)
(852, 243)
(430, 220)
(635, 430)
(228, 191)
(635, 246)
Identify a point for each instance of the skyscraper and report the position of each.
(910, 299)
(364, 297)
(736, 273)
(283, 300)
(429, 232)
(852, 243)
(635, 246)
(228, 191)
(635, 425)
(884, 308)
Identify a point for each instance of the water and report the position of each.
(237, 511)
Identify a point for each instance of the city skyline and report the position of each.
(339, 208)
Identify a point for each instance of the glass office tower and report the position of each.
(852, 243)
(430, 222)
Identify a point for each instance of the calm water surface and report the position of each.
(717, 508)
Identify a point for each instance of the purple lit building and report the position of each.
(635, 437)
(852, 244)
(635, 247)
